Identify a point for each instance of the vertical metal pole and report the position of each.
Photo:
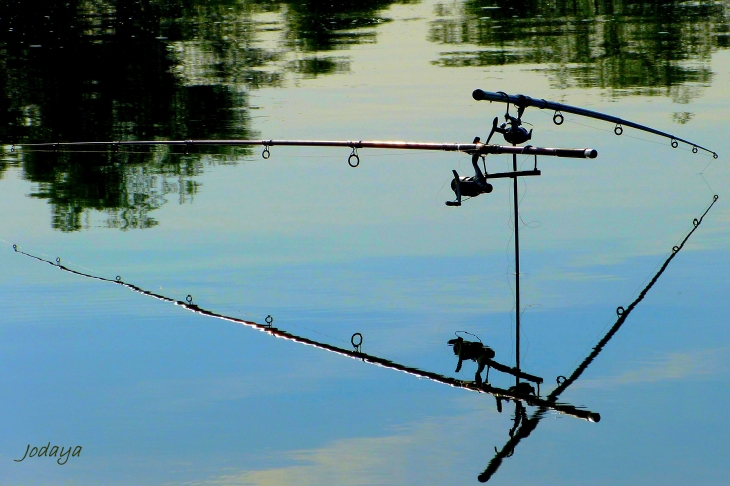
(517, 270)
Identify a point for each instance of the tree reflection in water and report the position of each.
(625, 47)
(117, 70)
(145, 69)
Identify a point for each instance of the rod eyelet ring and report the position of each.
(189, 299)
(266, 153)
(560, 380)
(714, 155)
(675, 249)
(353, 155)
(15, 247)
(357, 344)
(715, 197)
(558, 118)
(618, 130)
(620, 311)
(58, 260)
(695, 222)
(675, 144)
(269, 320)
(12, 148)
(694, 150)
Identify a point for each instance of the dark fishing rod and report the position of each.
(529, 424)
(268, 328)
(522, 102)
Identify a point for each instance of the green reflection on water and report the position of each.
(625, 47)
(113, 70)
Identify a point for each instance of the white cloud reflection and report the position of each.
(419, 453)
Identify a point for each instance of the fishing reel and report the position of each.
(470, 186)
(512, 130)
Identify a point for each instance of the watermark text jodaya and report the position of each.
(61, 454)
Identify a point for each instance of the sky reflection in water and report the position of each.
(156, 395)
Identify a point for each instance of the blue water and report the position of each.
(155, 394)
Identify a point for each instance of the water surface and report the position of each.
(155, 394)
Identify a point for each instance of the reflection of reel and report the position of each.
(457, 335)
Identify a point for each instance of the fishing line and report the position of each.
(354, 354)
(535, 223)
(702, 174)
(712, 191)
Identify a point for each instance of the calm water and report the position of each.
(157, 395)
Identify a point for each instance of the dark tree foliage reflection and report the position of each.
(145, 69)
(625, 47)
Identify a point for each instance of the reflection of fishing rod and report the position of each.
(528, 425)
(522, 102)
(356, 354)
